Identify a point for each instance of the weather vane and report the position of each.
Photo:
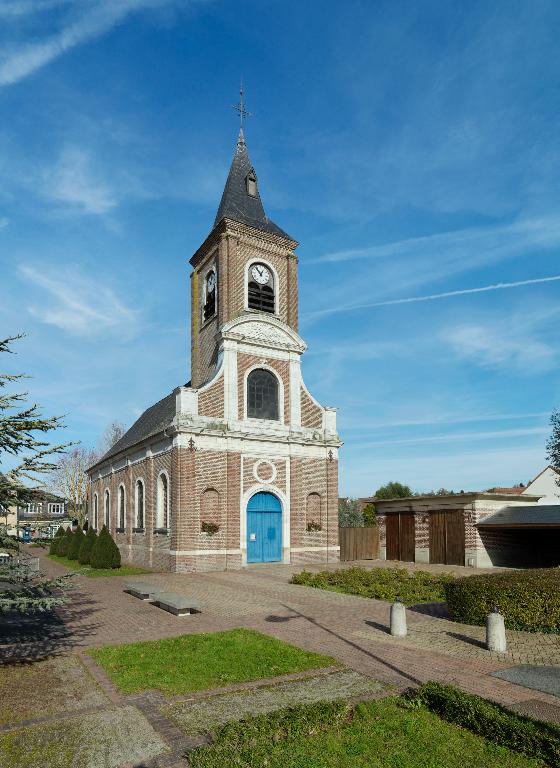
(240, 108)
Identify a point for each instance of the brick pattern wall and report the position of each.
(211, 402)
(281, 367)
(422, 531)
(314, 476)
(146, 548)
(311, 414)
(245, 245)
(250, 480)
(230, 251)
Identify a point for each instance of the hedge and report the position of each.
(528, 600)
(105, 553)
(87, 545)
(496, 724)
(410, 587)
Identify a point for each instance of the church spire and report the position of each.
(241, 200)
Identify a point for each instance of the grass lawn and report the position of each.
(94, 573)
(187, 663)
(381, 583)
(380, 734)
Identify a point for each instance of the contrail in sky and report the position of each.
(446, 295)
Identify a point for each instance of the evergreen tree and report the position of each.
(87, 545)
(76, 543)
(105, 553)
(553, 443)
(65, 542)
(19, 425)
(53, 549)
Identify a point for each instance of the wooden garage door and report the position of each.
(399, 533)
(447, 537)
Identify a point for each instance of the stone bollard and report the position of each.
(398, 619)
(496, 632)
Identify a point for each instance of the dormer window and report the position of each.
(251, 181)
(210, 295)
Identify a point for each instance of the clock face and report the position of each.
(260, 274)
(211, 282)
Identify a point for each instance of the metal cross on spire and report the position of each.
(240, 108)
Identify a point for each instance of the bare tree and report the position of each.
(70, 479)
(111, 436)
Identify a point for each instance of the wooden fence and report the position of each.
(359, 543)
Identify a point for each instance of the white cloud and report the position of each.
(4, 222)
(74, 181)
(79, 305)
(29, 7)
(437, 296)
(520, 343)
(465, 437)
(90, 20)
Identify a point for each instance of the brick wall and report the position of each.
(211, 402)
(229, 251)
(311, 414)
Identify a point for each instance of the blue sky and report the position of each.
(412, 148)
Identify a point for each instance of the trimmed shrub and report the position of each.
(64, 543)
(87, 545)
(528, 600)
(53, 549)
(105, 553)
(380, 583)
(495, 723)
(75, 544)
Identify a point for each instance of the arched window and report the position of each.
(107, 508)
(313, 512)
(210, 295)
(122, 508)
(162, 519)
(260, 289)
(139, 505)
(262, 395)
(95, 511)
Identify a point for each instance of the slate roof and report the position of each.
(524, 516)
(237, 203)
(154, 419)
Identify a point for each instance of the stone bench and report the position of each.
(178, 605)
(142, 590)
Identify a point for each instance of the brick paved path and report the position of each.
(352, 629)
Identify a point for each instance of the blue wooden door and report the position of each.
(264, 528)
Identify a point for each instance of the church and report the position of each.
(239, 465)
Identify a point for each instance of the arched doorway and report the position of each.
(264, 528)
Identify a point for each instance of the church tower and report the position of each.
(246, 264)
(240, 465)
